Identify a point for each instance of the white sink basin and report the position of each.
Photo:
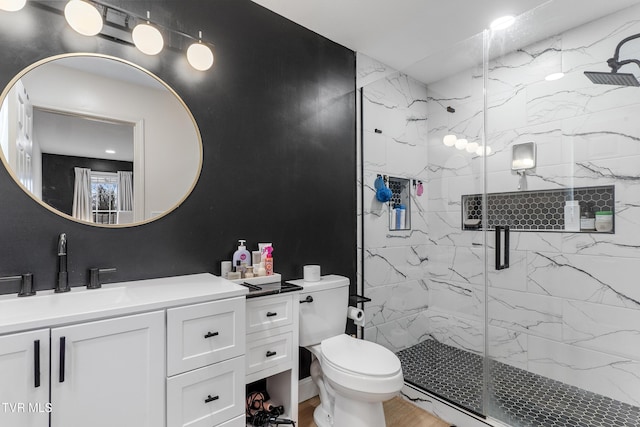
(48, 309)
(52, 304)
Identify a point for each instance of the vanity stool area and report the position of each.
(172, 352)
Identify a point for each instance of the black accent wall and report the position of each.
(58, 177)
(277, 118)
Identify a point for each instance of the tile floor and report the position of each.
(516, 397)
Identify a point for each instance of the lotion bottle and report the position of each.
(242, 254)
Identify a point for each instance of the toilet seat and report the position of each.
(361, 365)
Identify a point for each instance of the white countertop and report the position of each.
(48, 309)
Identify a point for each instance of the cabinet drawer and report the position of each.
(269, 352)
(207, 396)
(269, 312)
(240, 421)
(202, 334)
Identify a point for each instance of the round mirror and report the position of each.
(99, 140)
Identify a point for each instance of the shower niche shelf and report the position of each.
(539, 210)
(400, 204)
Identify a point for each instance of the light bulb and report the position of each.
(472, 147)
(199, 55)
(483, 151)
(147, 38)
(461, 144)
(83, 17)
(554, 76)
(502, 23)
(12, 5)
(449, 140)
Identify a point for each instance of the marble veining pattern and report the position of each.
(568, 309)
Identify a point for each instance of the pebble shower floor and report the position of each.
(517, 397)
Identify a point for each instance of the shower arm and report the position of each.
(615, 62)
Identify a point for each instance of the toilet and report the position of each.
(353, 376)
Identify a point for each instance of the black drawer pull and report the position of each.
(309, 298)
(36, 363)
(211, 334)
(271, 353)
(211, 398)
(62, 357)
(271, 314)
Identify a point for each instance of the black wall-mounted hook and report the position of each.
(450, 109)
(377, 130)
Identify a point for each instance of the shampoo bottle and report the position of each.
(572, 215)
(242, 254)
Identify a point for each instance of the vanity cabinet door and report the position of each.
(109, 373)
(24, 379)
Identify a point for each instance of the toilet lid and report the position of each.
(360, 356)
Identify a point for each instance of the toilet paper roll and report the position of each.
(311, 273)
(357, 315)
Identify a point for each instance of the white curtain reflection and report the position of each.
(82, 195)
(125, 191)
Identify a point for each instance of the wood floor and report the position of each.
(397, 413)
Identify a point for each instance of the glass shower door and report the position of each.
(447, 360)
(563, 320)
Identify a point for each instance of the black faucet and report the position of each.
(63, 280)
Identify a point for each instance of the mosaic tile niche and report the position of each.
(401, 195)
(535, 210)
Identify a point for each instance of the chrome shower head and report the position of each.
(620, 79)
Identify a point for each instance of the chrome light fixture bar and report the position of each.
(97, 18)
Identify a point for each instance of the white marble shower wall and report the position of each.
(394, 261)
(568, 307)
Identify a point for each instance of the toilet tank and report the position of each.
(326, 316)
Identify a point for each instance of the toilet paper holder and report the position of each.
(356, 299)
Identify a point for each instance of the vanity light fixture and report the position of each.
(461, 144)
(472, 147)
(83, 17)
(12, 5)
(147, 38)
(502, 23)
(199, 55)
(449, 140)
(483, 151)
(97, 18)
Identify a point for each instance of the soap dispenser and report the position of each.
(242, 255)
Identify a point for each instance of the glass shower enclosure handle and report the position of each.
(502, 257)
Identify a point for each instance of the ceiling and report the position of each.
(403, 33)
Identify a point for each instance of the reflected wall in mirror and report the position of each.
(99, 140)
